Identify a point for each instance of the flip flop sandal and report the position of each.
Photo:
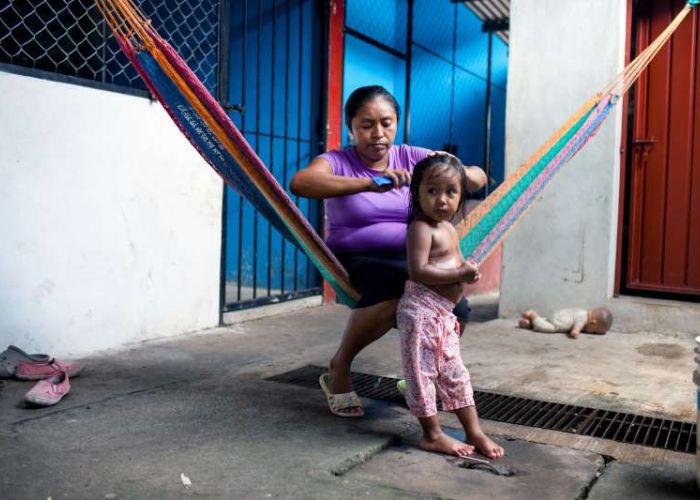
(11, 357)
(339, 402)
(401, 387)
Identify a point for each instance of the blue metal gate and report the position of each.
(274, 84)
(446, 68)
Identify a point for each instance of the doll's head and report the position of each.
(599, 320)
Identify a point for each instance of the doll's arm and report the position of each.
(576, 328)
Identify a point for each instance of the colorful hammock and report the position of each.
(221, 144)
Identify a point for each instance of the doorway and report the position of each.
(662, 220)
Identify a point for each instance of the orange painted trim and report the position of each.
(334, 103)
(336, 42)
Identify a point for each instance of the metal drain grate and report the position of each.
(605, 424)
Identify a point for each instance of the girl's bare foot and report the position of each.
(486, 446)
(442, 443)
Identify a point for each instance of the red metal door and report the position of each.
(663, 250)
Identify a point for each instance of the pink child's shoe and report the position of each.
(38, 371)
(49, 391)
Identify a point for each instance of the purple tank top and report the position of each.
(368, 220)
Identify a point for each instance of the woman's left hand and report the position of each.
(433, 153)
(476, 177)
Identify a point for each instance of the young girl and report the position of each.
(429, 331)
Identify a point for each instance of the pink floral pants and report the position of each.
(432, 363)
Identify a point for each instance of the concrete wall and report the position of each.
(563, 251)
(110, 223)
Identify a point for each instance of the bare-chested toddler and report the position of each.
(430, 354)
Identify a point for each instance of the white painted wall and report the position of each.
(563, 251)
(110, 222)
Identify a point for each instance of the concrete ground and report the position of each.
(194, 416)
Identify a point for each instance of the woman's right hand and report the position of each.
(399, 177)
(318, 181)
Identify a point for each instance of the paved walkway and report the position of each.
(143, 421)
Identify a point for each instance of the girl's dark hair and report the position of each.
(361, 95)
(440, 163)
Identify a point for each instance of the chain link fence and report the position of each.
(71, 38)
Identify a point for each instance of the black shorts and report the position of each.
(381, 275)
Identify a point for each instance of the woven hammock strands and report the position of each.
(207, 126)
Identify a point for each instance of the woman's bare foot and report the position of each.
(486, 446)
(442, 443)
(340, 377)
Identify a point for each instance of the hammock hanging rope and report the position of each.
(207, 126)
